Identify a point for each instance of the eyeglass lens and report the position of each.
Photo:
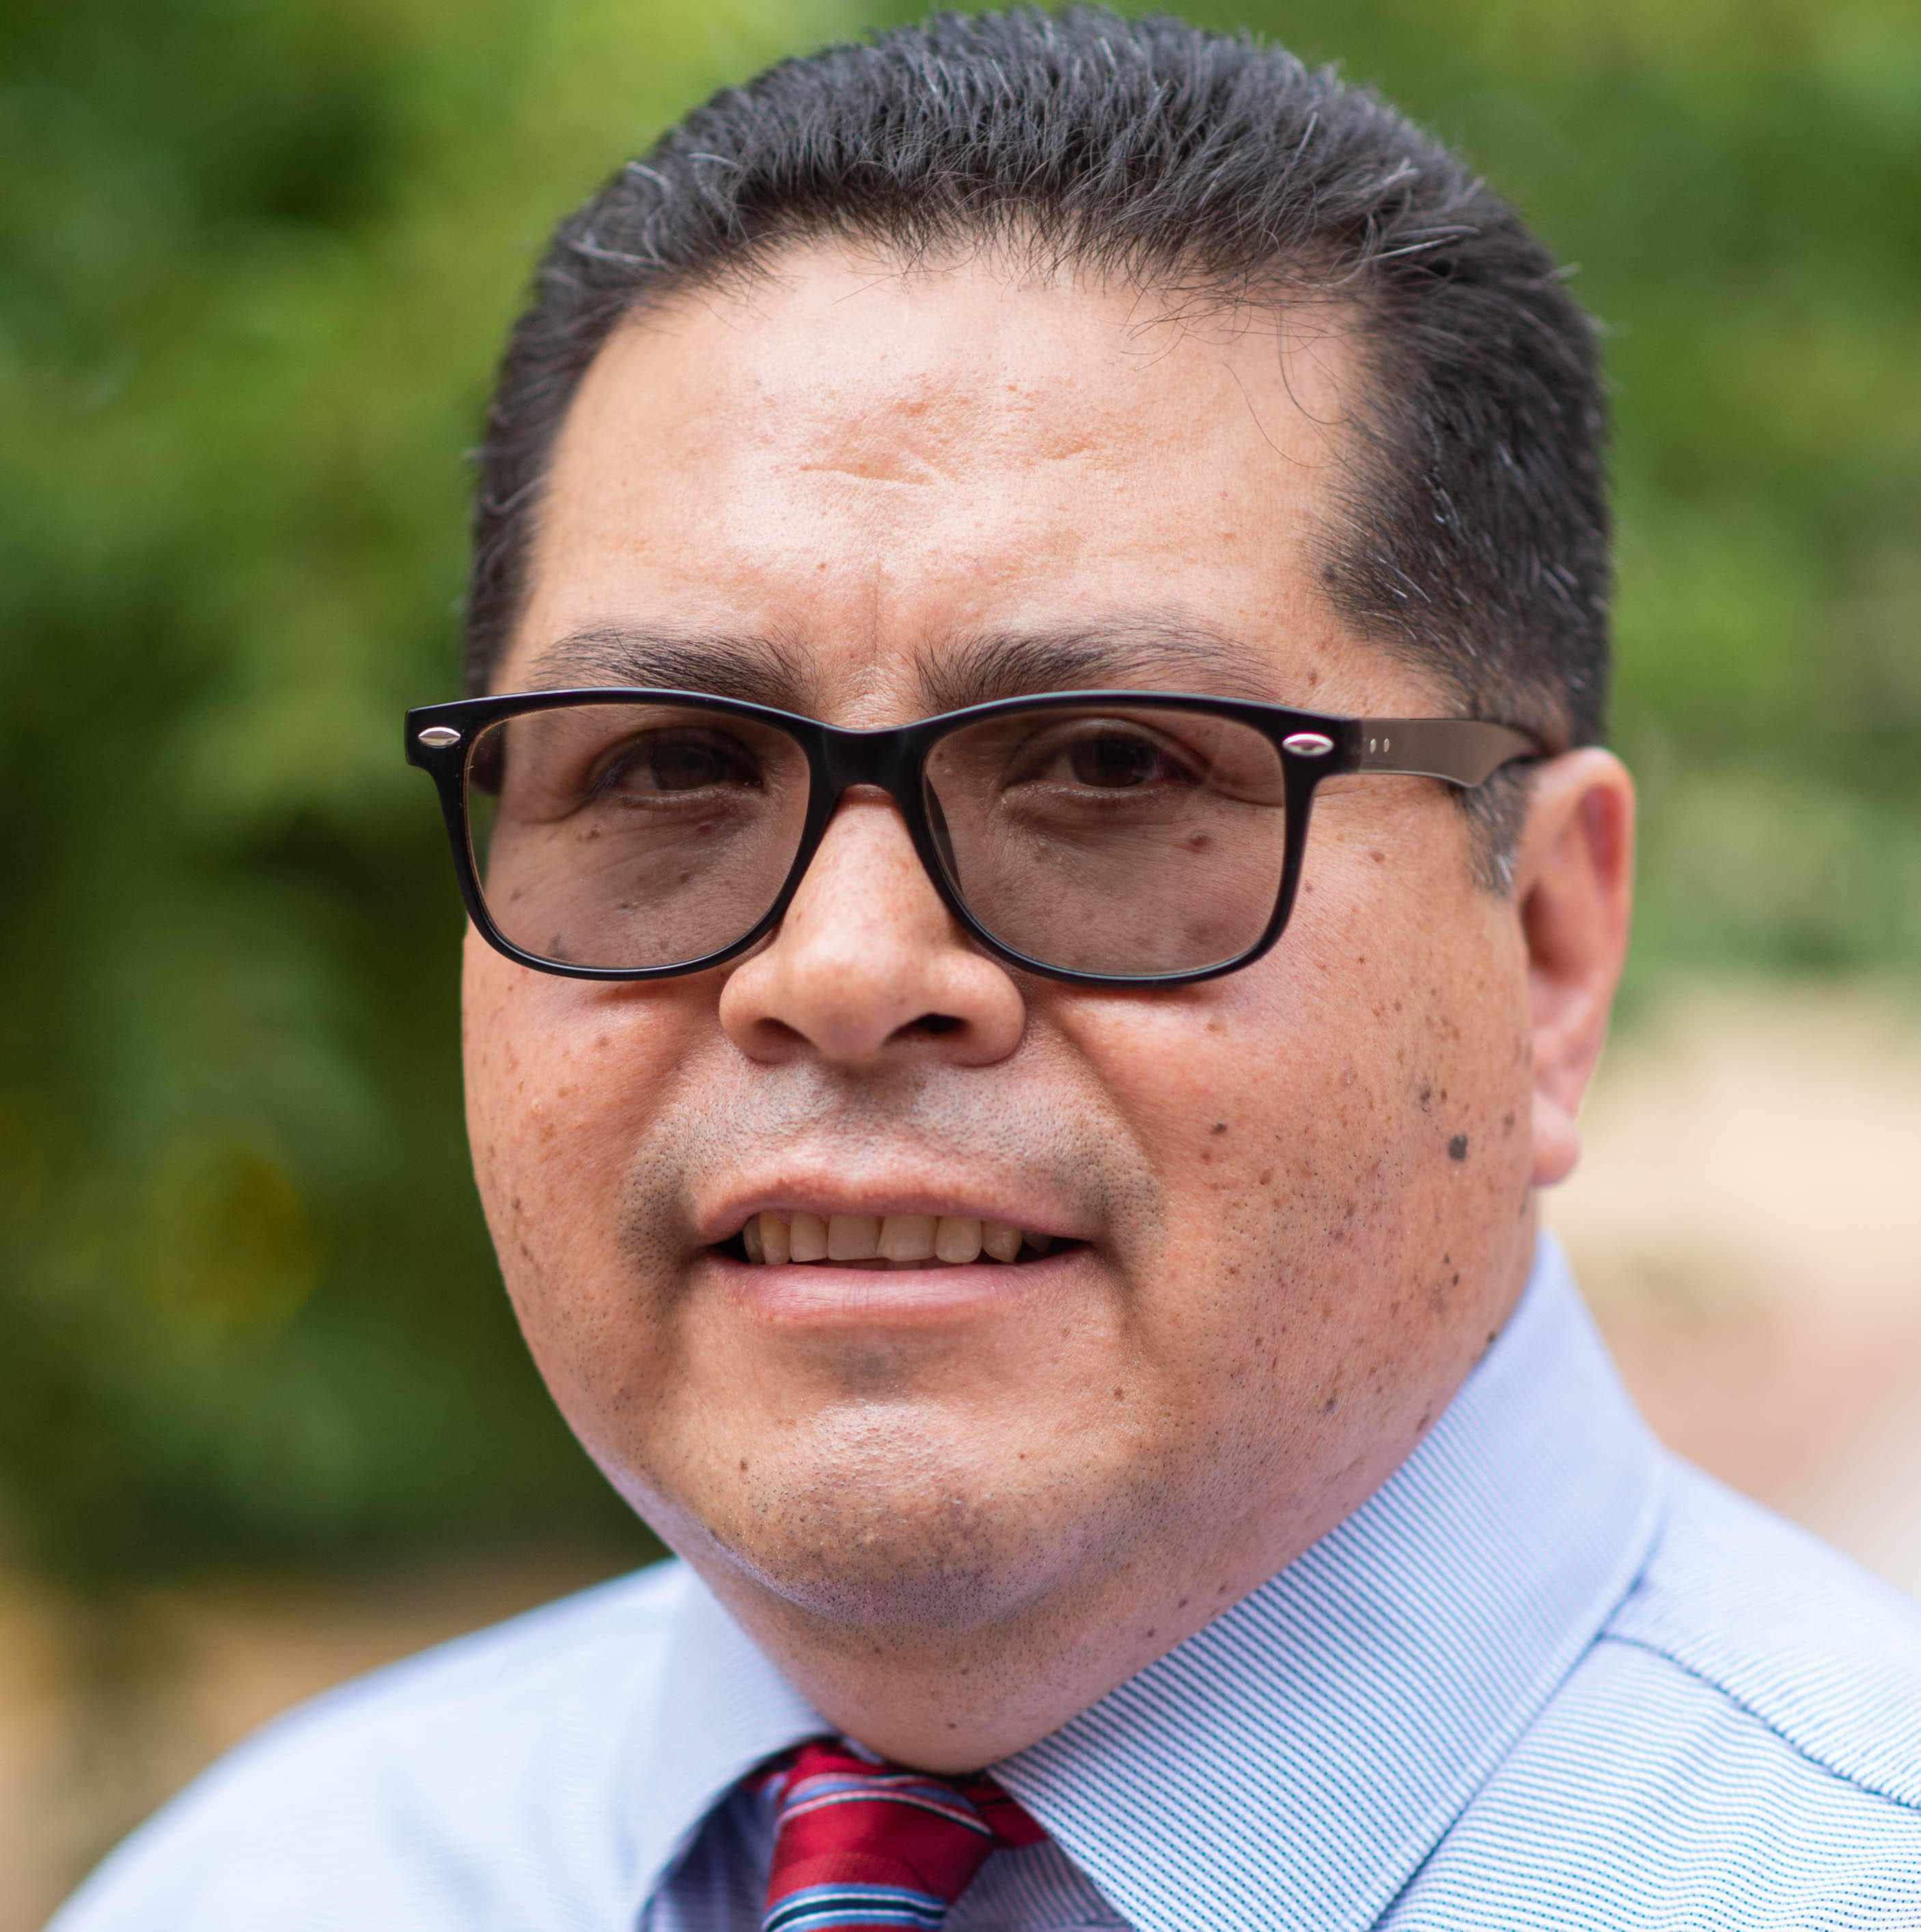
(1128, 840)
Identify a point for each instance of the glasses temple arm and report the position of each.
(1462, 751)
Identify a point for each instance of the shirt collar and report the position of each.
(1296, 1760)
(723, 1709)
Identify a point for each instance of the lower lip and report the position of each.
(818, 1294)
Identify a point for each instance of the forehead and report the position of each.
(864, 469)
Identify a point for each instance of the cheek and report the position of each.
(1326, 1254)
(561, 1076)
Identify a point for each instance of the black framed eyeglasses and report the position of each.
(1105, 837)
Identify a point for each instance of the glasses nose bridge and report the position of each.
(882, 757)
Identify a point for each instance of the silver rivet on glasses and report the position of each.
(1308, 744)
(438, 737)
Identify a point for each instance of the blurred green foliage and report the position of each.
(256, 256)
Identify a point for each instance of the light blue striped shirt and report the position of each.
(1546, 1676)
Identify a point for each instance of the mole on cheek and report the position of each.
(1457, 1147)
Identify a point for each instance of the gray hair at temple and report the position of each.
(1472, 535)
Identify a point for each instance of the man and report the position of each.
(1027, 966)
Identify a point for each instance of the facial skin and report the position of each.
(957, 1505)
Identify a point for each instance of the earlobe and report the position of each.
(1556, 1140)
(1574, 894)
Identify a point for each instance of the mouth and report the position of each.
(882, 1242)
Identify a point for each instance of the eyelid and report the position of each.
(1061, 733)
(619, 757)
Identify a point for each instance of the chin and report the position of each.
(894, 1536)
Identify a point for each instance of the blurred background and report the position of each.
(264, 1419)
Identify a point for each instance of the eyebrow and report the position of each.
(1129, 651)
(755, 670)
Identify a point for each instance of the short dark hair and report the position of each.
(1473, 534)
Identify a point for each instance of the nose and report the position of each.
(867, 965)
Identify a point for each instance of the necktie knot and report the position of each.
(860, 1845)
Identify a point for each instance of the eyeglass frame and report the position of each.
(1313, 746)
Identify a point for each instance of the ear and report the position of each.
(1573, 890)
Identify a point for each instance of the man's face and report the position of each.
(1289, 1206)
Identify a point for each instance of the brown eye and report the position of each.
(662, 764)
(682, 766)
(1113, 761)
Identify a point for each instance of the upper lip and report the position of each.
(724, 1219)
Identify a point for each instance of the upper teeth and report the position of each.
(895, 1238)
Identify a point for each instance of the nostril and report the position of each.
(933, 1025)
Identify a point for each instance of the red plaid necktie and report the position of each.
(859, 1846)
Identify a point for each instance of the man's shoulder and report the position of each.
(1822, 1654)
(498, 1750)
(1739, 1749)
